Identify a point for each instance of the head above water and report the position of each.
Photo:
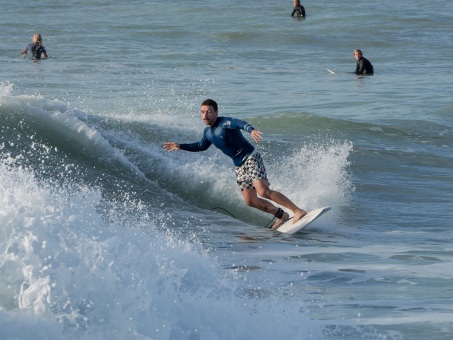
(358, 53)
(210, 102)
(208, 111)
(37, 38)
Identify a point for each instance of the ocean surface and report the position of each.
(104, 235)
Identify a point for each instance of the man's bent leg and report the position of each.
(251, 199)
(252, 179)
(264, 191)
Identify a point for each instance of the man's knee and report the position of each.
(265, 193)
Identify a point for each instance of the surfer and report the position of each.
(298, 8)
(225, 133)
(35, 48)
(363, 64)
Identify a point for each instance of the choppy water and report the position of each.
(106, 236)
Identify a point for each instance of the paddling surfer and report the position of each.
(225, 133)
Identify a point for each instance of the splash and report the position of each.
(89, 268)
(317, 174)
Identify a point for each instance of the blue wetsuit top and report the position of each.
(36, 54)
(226, 135)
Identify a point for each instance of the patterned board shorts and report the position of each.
(252, 169)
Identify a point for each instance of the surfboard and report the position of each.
(334, 72)
(290, 228)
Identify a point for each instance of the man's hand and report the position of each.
(171, 146)
(256, 135)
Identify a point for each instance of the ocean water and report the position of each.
(104, 235)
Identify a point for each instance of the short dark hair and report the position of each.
(210, 102)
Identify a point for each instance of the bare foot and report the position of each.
(298, 215)
(280, 221)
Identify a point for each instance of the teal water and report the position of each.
(105, 235)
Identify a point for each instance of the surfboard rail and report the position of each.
(290, 228)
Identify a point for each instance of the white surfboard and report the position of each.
(334, 72)
(290, 228)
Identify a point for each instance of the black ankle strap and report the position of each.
(279, 213)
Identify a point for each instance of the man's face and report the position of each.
(357, 55)
(208, 114)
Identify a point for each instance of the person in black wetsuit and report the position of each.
(35, 48)
(225, 133)
(299, 9)
(363, 64)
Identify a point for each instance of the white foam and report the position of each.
(68, 267)
(68, 124)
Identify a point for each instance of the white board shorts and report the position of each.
(252, 169)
